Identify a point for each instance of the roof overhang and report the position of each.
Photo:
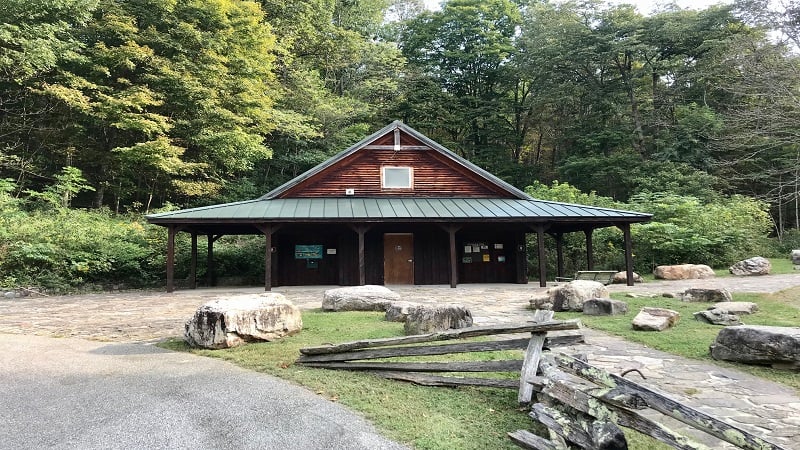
(245, 217)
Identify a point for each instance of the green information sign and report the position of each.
(307, 252)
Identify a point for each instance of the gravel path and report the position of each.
(768, 409)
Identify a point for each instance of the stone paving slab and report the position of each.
(768, 409)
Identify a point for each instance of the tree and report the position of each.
(460, 56)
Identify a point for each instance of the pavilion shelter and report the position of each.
(395, 208)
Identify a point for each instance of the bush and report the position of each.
(684, 229)
(63, 249)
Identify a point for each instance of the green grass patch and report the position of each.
(423, 417)
(476, 418)
(692, 338)
(782, 266)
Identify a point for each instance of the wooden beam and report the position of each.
(193, 263)
(532, 355)
(171, 231)
(580, 428)
(210, 275)
(361, 231)
(626, 232)
(267, 230)
(528, 440)
(451, 232)
(460, 333)
(542, 256)
(667, 406)
(436, 380)
(512, 365)
(560, 253)
(391, 147)
(589, 250)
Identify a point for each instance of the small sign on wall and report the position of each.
(330, 251)
(307, 252)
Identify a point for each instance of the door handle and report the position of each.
(410, 260)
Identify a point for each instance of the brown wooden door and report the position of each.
(398, 258)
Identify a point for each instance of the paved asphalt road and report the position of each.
(77, 394)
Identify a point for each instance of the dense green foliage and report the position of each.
(684, 229)
(131, 106)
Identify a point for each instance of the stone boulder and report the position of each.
(752, 266)
(655, 319)
(778, 347)
(228, 322)
(570, 296)
(399, 311)
(701, 295)
(358, 298)
(622, 278)
(683, 272)
(736, 307)
(718, 317)
(542, 300)
(604, 307)
(431, 318)
(795, 257)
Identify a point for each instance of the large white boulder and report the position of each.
(359, 298)
(425, 319)
(655, 319)
(683, 272)
(228, 322)
(698, 295)
(572, 295)
(751, 266)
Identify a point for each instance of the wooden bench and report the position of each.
(604, 276)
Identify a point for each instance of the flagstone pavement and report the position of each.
(766, 409)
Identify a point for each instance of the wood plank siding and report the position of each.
(501, 261)
(434, 176)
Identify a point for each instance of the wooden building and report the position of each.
(395, 208)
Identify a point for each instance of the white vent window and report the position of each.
(397, 177)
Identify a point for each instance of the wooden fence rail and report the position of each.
(357, 355)
(582, 405)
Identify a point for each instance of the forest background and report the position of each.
(111, 109)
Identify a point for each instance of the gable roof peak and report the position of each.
(394, 125)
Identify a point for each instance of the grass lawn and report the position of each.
(423, 417)
(476, 418)
(691, 338)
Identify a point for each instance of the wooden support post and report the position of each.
(267, 231)
(451, 232)
(193, 263)
(626, 232)
(522, 259)
(560, 253)
(361, 230)
(589, 249)
(532, 356)
(542, 256)
(210, 275)
(171, 231)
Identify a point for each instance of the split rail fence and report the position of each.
(582, 406)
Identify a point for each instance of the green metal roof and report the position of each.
(349, 209)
